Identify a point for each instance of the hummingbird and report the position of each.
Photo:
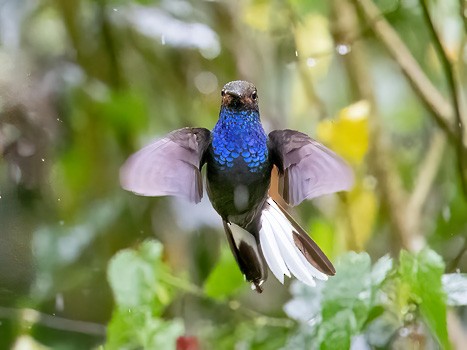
(239, 157)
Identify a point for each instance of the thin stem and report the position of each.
(54, 322)
(425, 179)
(449, 74)
(428, 93)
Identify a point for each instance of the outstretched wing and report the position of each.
(307, 169)
(168, 166)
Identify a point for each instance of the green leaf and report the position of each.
(345, 304)
(225, 278)
(455, 287)
(306, 302)
(381, 270)
(346, 301)
(337, 331)
(138, 329)
(134, 276)
(421, 274)
(137, 278)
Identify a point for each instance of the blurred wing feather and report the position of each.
(307, 169)
(168, 166)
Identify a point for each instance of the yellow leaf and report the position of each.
(347, 135)
(362, 209)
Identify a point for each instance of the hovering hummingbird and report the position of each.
(240, 157)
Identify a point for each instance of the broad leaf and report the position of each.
(421, 279)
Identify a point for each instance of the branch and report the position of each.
(442, 110)
(345, 24)
(463, 13)
(54, 322)
(449, 74)
(426, 177)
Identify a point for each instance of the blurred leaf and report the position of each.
(248, 334)
(305, 305)
(340, 308)
(350, 289)
(139, 329)
(225, 278)
(135, 277)
(420, 275)
(348, 134)
(381, 270)
(137, 281)
(362, 211)
(336, 332)
(455, 287)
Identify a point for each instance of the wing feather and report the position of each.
(168, 166)
(307, 169)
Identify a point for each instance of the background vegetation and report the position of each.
(84, 83)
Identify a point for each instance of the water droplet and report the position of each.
(129, 311)
(163, 39)
(115, 10)
(43, 159)
(296, 53)
(53, 313)
(310, 62)
(58, 199)
(343, 49)
(59, 120)
(0, 196)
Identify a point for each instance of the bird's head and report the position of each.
(240, 95)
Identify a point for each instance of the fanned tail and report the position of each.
(288, 249)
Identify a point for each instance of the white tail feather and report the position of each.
(279, 249)
(271, 250)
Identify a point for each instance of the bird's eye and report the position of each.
(254, 95)
(222, 93)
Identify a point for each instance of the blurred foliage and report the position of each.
(85, 83)
(137, 280)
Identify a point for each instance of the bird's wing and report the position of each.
(307, 169)
(168, 166)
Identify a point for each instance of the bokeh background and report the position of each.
(84, 83)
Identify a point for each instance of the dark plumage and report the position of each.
(239, 158)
